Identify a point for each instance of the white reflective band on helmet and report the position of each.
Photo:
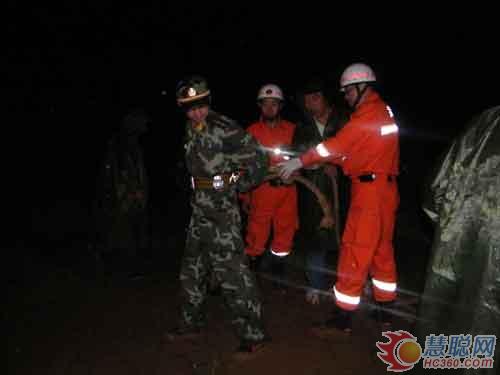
(386, 287)
(322, 151)
(389, 110)
(389, 129)
(341, 297)
(278, 254)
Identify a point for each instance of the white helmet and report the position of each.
(270, 91)
(356, 73)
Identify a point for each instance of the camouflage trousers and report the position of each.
(219, 249)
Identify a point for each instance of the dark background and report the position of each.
(74, 69)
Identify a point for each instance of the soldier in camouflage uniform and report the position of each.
(121, 213)
(222, 159)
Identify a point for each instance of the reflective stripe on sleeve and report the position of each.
(322, 151)
(388, 129)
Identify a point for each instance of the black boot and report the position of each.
(250, 349)
(254, 263)
(341, 321)
(214, 287)
(383, 314)
(278, 269)
(182, 333)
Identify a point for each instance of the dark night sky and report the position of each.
(75, 68)
(430, 63)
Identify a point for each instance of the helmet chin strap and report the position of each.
(359, 95)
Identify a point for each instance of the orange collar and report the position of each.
(371, 99)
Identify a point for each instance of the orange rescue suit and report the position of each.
(367, 149)
(274, 206)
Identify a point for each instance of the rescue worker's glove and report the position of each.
(286, 168)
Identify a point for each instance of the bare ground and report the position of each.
(64, 320)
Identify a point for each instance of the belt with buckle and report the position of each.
(370, 177)
(277, 182)
(217, 182)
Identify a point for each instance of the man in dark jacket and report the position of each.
(321, 120)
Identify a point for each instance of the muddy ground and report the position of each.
(65, 317)
(66, 314)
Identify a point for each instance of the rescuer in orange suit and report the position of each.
(273, 204)
(367, 149)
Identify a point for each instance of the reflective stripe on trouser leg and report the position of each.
(258, 230)
(345, 301)
(384, 291)
(359, 242)
(285, 220)
(279, 253)
(260, 219)
(383, 269)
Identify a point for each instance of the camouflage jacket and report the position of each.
(463, 281)
(223, 147)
